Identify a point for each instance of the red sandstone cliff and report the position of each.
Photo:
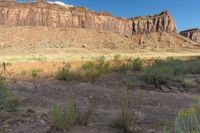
(44, 14)
(193, 34)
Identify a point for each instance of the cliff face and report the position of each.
(45, 14)
(156, 23)
(193, 34)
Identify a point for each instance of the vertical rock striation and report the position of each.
(192, 34)
(45, 14)
(156, 23)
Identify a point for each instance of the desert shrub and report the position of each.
(117, 60)
(64, 74)
(102, 66)
(64, 118)
(137, 64)
(8, 101)
(193, 66)
(101, 59)
(126, 119)
(181, 67)
(158, 74)
(188, 121)
(121, 67)
(88, 66)
(188, 83)
(117, 57)
(34, 73)
(163, 72)
(88, 71)
(86, 116)
(91, 71)
(178, 66)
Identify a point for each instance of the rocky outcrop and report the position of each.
(193, 34)
(45, 14)
(156, 23)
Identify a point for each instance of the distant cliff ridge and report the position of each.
(193, 34)
(53, 15)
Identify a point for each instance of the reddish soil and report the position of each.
(23, 40)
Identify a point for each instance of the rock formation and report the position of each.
(193, 34)
(46, 14)
(156, 23)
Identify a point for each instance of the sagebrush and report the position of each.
(8, 101)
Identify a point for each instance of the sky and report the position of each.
(185, 12)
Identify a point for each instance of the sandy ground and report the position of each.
(28, 39)
(24, 49)
(158, 108)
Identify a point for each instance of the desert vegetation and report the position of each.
(91, 70)
(65, 117)
(172, 74)
(8, 101)
(187, 121)
(126, 120)
(68, 69)
(171, 70)
(169, 75)
(160, 72)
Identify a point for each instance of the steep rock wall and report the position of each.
(45, 14)
(192, 34)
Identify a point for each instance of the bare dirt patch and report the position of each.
(158, 108)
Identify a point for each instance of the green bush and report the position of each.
(8, 101)
(159, 74)
(64, 74)
(64, 118)
(193, 66)
(102, 66)
(137, 65)
(117, 57)
(181, 67)
(88, 66)
(126, 120)
(91, 71)
(188, 121)
(163, 72)
(88, 71)
(178, 66)
(34, 73)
